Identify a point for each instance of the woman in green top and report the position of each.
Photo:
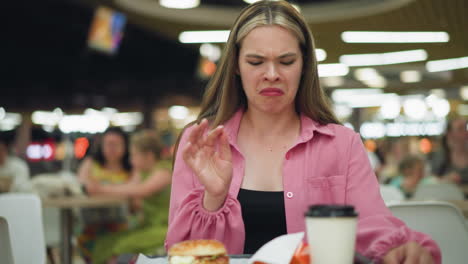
(150, 185)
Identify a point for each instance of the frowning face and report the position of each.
(270, 66)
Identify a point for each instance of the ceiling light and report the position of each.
(464, 93)
(357, 98)
(84, 123)
(370, 77)
(394, 37)
(462, 109)
(179, 4)
(10, 121)
(410, 76)
(178, 112)
(342, 111)
(127, 119)
(210, 51)
(415, 108)
(447, 65)
(340, 95)
(213, 36)
(321, 54)
(332, 69)
(333, 81)
(46, 118)
(441, 107)
(251, 1)
(372, 130)
(384, 58)
(390, 109)
(365, 74)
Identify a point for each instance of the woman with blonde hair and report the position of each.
(267, 145)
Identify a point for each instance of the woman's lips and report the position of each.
(271, 92)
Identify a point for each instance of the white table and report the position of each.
(66, 204)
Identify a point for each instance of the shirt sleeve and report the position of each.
(378, 230)
(188, 219)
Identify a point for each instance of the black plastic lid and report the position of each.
(323, 210)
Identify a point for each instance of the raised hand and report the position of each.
(209, 156)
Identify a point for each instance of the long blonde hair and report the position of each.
(224, 94)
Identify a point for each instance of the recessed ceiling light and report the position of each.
(384, 58)
(464, 93)
(179, 4)
(321, 54)
(410, 76)
(394, 37)
(332, 69)
(210, 36)
(447, 64)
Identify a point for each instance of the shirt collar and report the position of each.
(308, 128)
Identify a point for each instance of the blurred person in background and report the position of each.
(451, 162)
(267, 145)
(109, 165)
(150, 181)
(411, 174)
(394, 151)
(14, 172)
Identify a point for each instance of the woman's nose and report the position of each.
(271, 73)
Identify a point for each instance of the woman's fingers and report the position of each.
(196, 135)
(224, 147)
(213, 135)
(187, 152)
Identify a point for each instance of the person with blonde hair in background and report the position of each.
(266, 145)
(151, 178)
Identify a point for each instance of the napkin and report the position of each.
(280, 250)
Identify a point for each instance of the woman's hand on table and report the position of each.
(93, 186)
(209, 156)
(408, 253)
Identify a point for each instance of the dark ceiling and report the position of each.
(237, 3)
(47, 62)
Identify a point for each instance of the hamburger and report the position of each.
(198, 252)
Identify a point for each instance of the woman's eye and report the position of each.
(254, 62)
(287, 62)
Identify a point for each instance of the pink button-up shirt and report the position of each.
(327, 164)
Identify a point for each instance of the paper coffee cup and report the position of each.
(331, 233)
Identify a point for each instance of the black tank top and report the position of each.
(264, 217)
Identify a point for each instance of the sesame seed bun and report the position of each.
(197, 248)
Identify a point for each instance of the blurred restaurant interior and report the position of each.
(396, 72)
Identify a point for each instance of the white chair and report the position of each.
(439, 191)
(442, 221)
(391, 194)
(5, 245)
(22, 217)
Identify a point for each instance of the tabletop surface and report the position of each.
(82, 201)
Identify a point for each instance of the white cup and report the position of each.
(331, 233)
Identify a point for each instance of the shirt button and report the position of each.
(289, 195)
(288, 156)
